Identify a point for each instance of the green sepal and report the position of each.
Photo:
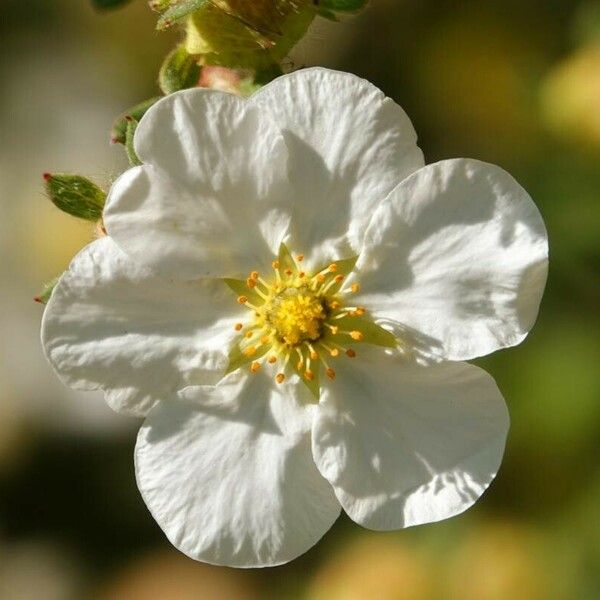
(118, 133)
(46, 292)
(314, 386)
(132, 124)
(75, 195)
(286, 261)
(372, 333)
(179, 71)
(345, 266)
(238, 359)
(342, 6)
(178, 11)
(241, 289)
(109, 4)
(159, 5)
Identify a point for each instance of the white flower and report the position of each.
(452, 261)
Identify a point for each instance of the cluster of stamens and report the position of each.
(300, 320)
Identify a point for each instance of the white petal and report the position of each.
(457, 256)
(404, 445)
(349, 147)
(213, 198)
(112, 325)
(229, 476)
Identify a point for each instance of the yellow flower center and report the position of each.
(299, 320)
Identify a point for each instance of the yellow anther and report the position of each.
(255, 367)
(249, 334)
(250, 351)
(300, 257)
(314, 355)
(338, 278)
(331, 374)
(360, 311)
(280, 378)
(275, 264)
(251, 283)
(335, 305)
(309, 375)
(238, 326)
(357, 335)
(334, 328)
(299, 364)
(242, 299)
(254, 275)
(272, 360)
(350, 353)
(302, 274)
(332, 268)
(288, 272)
(334, 352)
(320, 277)
(355, 288)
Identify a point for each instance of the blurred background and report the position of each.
(510, 82)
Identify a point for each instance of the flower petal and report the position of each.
(213, 197)
(112, 325)
(404, 444)
(229, 474)
(349, 147)
(458, 253)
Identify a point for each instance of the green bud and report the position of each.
(178, 11)
(132, 124)
(75, 195)
(119, 128)
(179, 71)
(341, 6)
(46, 293)
(159, 5)
(108, 4)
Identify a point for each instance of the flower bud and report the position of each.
(75, 195)
(118, 133)
(45, 294)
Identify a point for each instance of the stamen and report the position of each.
(338, 278)
(300, 257)
(357, 335)
(255, 367)
(250, 351)
(254, 275)
(330, 373)
(249, 334)
(280, 378)
(272, 360)
(242, 299)
(350, 353)
(275, 264)
(355, 288)
(334, 328)
(332, 268)
(239, 326)
(309, 375)
(251, 283)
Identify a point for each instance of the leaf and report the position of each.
(179, 71)
(76, 195)
(118, 132)
(342, 5)
(132, 124)
(178, 11)
(108, 4)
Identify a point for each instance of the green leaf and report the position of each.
(132, 124)
(344, 6)
(46, 293)
(75, 195)
(118, 132)
(108, 4)
(241, 289)
(238, 359)
(179, 71)
(178, 11)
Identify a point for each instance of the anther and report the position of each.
(355, 288)
(239, 326)
(309, 375)
(314, 355)
(334, 352)
(249, 334)
(272, 360)
(242, 299)
(334, 328)
(360, 311)
(251, 283)
(335, 305)
(275, 264)
(331, 374)
(338, 278)
(357, 335)
(332, 268)
(255, 367)
(301, 274)
(254, 275)
(250, 351)
(300, 257)
(288, 272)
(350, 353)
(280, 378)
